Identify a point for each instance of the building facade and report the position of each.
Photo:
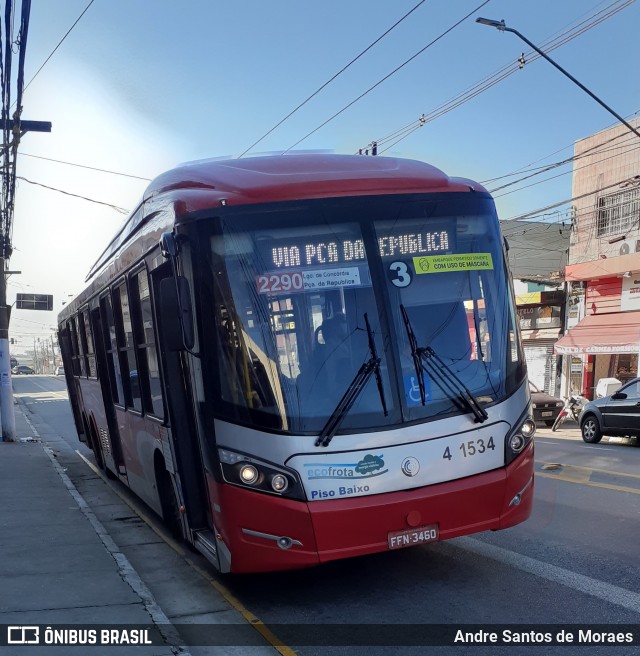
(603, 274)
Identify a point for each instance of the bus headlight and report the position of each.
(279, 483)
(517, 442)
(528, 428)
(245, 471)
(519, 438)
(249, 474)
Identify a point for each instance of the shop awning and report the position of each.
(602, 333)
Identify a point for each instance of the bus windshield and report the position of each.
(287, 333)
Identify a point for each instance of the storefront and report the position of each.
(540, 315)
(605, 346)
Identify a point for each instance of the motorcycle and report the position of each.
(572, 408)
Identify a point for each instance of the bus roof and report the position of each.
(292, 177)
(205, 184)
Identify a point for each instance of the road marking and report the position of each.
(582, 475)
(602, 448)
(606, 591)
(233, 601)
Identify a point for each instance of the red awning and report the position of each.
(602, 333)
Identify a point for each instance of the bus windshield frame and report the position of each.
(282, 291)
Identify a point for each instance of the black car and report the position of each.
(545, 407)
(618, 414)
(22, 369)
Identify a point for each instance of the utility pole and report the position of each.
(7, 415)
(12, 128)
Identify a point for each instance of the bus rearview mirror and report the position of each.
(177, 315)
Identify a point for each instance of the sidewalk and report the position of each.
(54, 567)
(61, 569)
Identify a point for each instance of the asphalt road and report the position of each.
(574, 562)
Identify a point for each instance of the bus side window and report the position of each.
(148, 369)
(113, 361)
(76, 357)
(126, 348)
(86, 339)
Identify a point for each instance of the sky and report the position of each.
(139, 86)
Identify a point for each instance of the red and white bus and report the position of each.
(303, 358)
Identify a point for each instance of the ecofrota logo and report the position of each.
(23, 635)
(366, 468)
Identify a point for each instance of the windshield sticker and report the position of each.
(366, 468)
(412, 389)
(323, 278)
(301, 281)
(448, 263)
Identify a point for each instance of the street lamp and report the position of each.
(503, 28)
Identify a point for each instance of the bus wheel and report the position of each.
(170, 510)
(94, 444)
(96, 447)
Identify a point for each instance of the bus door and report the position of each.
(181, 414)
(106, 376)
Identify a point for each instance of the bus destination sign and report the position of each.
(310, 253)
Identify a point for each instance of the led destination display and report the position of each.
(296, 254)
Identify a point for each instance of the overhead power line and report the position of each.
(536, 213)
(84, 166)
(386, 77)
(491, 80)
(559, 175)
(331, 79)
(84, 11)
(122, 210)
(589, 152)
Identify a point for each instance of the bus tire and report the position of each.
(590, 430)
(96, 447)
(171, 514)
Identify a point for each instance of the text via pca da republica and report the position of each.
(533, 637)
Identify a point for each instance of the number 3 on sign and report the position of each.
(399, 274)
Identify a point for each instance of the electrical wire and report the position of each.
(589, 152)
(84, 166)
(507, 70)
(386, 77)
(331, 79)
(84, 11)
(122, 210)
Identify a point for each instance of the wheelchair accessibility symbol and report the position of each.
(412, 389)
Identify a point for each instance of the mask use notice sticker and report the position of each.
(457, 262)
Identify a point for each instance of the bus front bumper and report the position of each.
(268, 533)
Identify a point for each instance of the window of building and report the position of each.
(618, 212)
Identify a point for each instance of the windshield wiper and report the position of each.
(443, 375)
(372, 365)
